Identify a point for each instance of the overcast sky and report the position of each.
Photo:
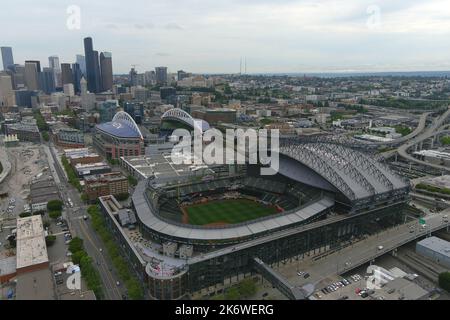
(211, 36)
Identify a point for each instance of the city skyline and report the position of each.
(212, 37)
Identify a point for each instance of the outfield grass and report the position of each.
(227, 211)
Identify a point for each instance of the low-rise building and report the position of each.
(41, 192)
(31, 250)
(24, 132)
(99, 185)
(69, 137)
(435, 249)
(83, 170)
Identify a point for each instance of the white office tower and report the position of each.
(53, 63)
(87, 98)
(69, 90)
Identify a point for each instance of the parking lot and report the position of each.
(27, 161)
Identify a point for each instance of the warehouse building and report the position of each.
(435, 249)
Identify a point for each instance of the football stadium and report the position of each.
(119, 137)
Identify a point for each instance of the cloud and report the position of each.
(173, 26)
(144, 26)
(274, 35)
(111, 26)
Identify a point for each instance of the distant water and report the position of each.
(364, 74)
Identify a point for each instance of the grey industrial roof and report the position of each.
(153, 221)
(36, 285)
(353, 173)
(437, 245)
(8, 265)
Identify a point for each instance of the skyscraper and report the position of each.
(92, 66)
(53, 63)
(66, 73)
(47, 80)
(36, 62)
(161, 75)
(18, 77)
(98, 76)
(106, 70)
(7, 96)
(7, 57)
(182, 75)
(77, 75)
(31, 75)
(133, 77)
(82, 63)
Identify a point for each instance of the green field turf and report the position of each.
(227, 211)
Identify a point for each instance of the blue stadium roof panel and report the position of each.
(118, 129)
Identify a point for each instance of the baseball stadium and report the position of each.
(202, 228)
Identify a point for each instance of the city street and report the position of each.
(84, 230)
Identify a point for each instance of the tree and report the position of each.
(54, 214)
(134, 290)
(247, 288)
(77, 256)
(75, 245)
(132, 180)
(45, 136)
(444, 280)
(445, 140)
(25, 214)
(50, 240)
(122, 196)
(232, 294)
(54, 205)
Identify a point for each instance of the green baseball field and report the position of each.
(223, 212)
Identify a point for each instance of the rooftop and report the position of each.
(7, 266)
(36, 285)
(122, 126)
(31, 248)
(436, 244)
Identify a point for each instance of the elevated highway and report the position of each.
(364, 251)
(437, 127)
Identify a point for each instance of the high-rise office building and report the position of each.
(98, 75)
(92, 66)
(82, 63)
(53, 63)
(106, 71)
(31, 75)
(133, 77)
(7, 57)
(18, 77)
(47, 80)
(161, 75)
(182, 75)
(66, 73)
(135, 110)
(77, 75)
(7, 95)
(36, 62)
